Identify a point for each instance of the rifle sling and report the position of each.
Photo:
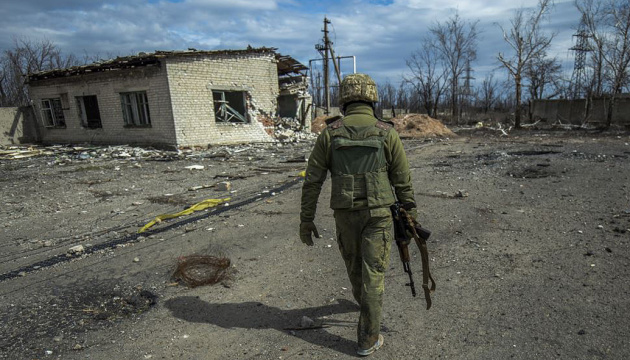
(426, 273)
(424, 255)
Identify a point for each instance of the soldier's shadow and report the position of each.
(255, 315)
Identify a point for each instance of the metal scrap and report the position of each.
(198, 270)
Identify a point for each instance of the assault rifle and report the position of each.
(405, 228)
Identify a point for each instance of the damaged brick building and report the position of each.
(172, 98)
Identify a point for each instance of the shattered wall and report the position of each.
(107, 86)
(192, 81)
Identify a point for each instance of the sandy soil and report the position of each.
(530, 251)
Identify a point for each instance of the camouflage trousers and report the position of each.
(364, 238)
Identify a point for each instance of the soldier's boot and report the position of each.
(376, 346)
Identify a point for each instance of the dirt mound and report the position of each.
(318, 124)
(420, 126)
(408, 126)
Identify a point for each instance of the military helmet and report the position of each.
(357, 87)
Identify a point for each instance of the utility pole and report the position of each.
(327, 52)
(323, 50)
(581, 48)
(467, 93)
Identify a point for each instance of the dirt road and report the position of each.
(530, 251)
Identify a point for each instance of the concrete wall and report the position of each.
(18, 126)
(107, 87)
(387, 113)
(575, 112)
(334, 111)
(192, 79)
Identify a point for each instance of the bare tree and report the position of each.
(528, 43)
(608, 23)
(456, 41)
(592, 18)
(428, 78)
(544, 78)
(386, 96)
(402, 97)
(334, 94)
(487, 93)
(27, 57)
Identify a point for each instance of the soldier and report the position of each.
(369, 171)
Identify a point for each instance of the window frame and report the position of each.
(52, 114)
(226, 114)
(135, 109)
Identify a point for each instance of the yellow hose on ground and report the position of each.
(208, 203)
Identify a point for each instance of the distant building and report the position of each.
(171, 98)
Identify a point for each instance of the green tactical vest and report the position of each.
(358, 167)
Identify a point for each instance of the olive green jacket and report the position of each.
(358, 116)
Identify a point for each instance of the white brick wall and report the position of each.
(191, 80)
(180, 101)
(107, 87)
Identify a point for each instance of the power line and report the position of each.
(581, 48)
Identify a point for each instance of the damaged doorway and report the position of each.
(88, 111)
(230, 106)
(288, 106)
(292, 106)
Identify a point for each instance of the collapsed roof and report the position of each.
(286, 64)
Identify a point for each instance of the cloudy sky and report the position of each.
(380, 33)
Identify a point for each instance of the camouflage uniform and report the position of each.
(369, 170)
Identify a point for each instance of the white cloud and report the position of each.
(381, 35)
(247, 5)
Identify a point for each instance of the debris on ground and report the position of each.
(195, 167)
(198, 270)
(288, 129)
(87, 155)
(208, 203)
(76, 249)
(224, 186)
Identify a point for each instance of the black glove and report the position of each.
(413, 212)
(306, 228)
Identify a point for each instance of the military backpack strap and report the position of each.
(384, 125)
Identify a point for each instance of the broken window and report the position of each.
(288, 106)
(52, 113)
(135, 107)
(88, 110)
(230, 106)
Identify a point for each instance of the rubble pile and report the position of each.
(408, 125)
(318, 124)
(420, 126)
(67, 154)
(288, 129)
